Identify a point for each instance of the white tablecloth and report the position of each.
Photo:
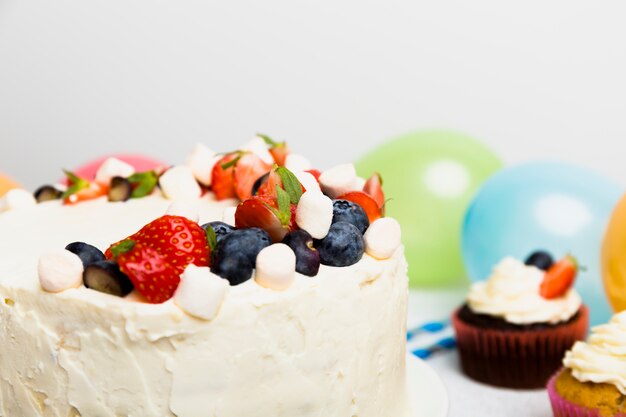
(468, 398)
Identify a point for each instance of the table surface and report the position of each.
(466, 396)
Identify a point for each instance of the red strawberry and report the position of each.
(148, 270)
(374, 188)
(316, 173)
(268, 188)
(93, 191)
(177, 239)
(280, 152)
(263, 212)
(559, 278)
(248, 169)
(223, 177)
(371, 207)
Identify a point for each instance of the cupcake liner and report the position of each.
(523, 359)
(564, 408)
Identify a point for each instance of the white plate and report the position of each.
(427, 394)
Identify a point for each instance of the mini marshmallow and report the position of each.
(338, 180)
(383, 238)
(186, 209)
(358, 184)
(258, 147)
(308, 181)
(295, 162)
(113, 167)
(276, 267)
(16, 199)
(178, 183)
(201, 292)
(60, 270)
(315, 214)
(201, 160)
(228, 216)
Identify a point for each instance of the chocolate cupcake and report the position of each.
(517, 325)
(593, 380)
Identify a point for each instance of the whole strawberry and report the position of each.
(147, 269)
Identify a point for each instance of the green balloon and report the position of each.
(429, 179)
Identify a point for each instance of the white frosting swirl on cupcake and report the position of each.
(602, 359)
(512, 293)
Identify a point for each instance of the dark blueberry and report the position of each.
(106, 277)
(307, 257)
(221, 229)
(120, 189)
(343, 246)
(47, 193)
(541, 259)
(87, 253)
(235, 256)
(349, 212)
(259, 182)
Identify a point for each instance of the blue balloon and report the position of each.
(558, 207)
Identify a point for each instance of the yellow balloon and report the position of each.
(614, 258)
(6, 184)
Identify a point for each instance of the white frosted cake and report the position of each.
(284, 338)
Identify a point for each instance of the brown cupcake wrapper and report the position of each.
(522, 359)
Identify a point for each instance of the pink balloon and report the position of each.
(140, 162)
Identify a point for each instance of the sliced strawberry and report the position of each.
(149, 272)
(223, 177)
(268, 188)
(248, 170)
(316, 173)
(374, 188)
(263, 212)
(279, 153)
(92, 191)
(559, 278)
(371, 207)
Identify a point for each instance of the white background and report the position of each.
(533, 79)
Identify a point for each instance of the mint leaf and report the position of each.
(284, 206)
(232, 162)
(76, 184)
(143, 183)
(124, 246)
(271, 142)
(211, 237)
(291, 184)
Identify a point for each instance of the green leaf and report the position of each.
(124, 246)
(291, 184)
(284, 206)
(76, 184)
(232, 162)
(211, 237)
(271, 142)
(143, 183)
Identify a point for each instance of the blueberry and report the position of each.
(87, 253)
(221, 229)
(120, 189)
(343, 246)
(541, 259)
(235, 256)
(349, 212)
(47, 193)
(307, 257)
(106, 277)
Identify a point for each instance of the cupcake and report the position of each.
(593, 380)
(516, 326)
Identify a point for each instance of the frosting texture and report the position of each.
(602, 359)
(512, 293)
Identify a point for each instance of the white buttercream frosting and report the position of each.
(512, 293)
(329, 346)
(602, 359)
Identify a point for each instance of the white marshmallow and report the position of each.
(113, 167)
(358, 184)
(201, 160)
(188, 209)
(338, 180)
(276, 267)
(60, 270)
(295, 162)
(383, 238)
(16, 199)
(228, 216)
(308, 181)
(315, 214)
(258, 147)
(178, 183)
(201, 292)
